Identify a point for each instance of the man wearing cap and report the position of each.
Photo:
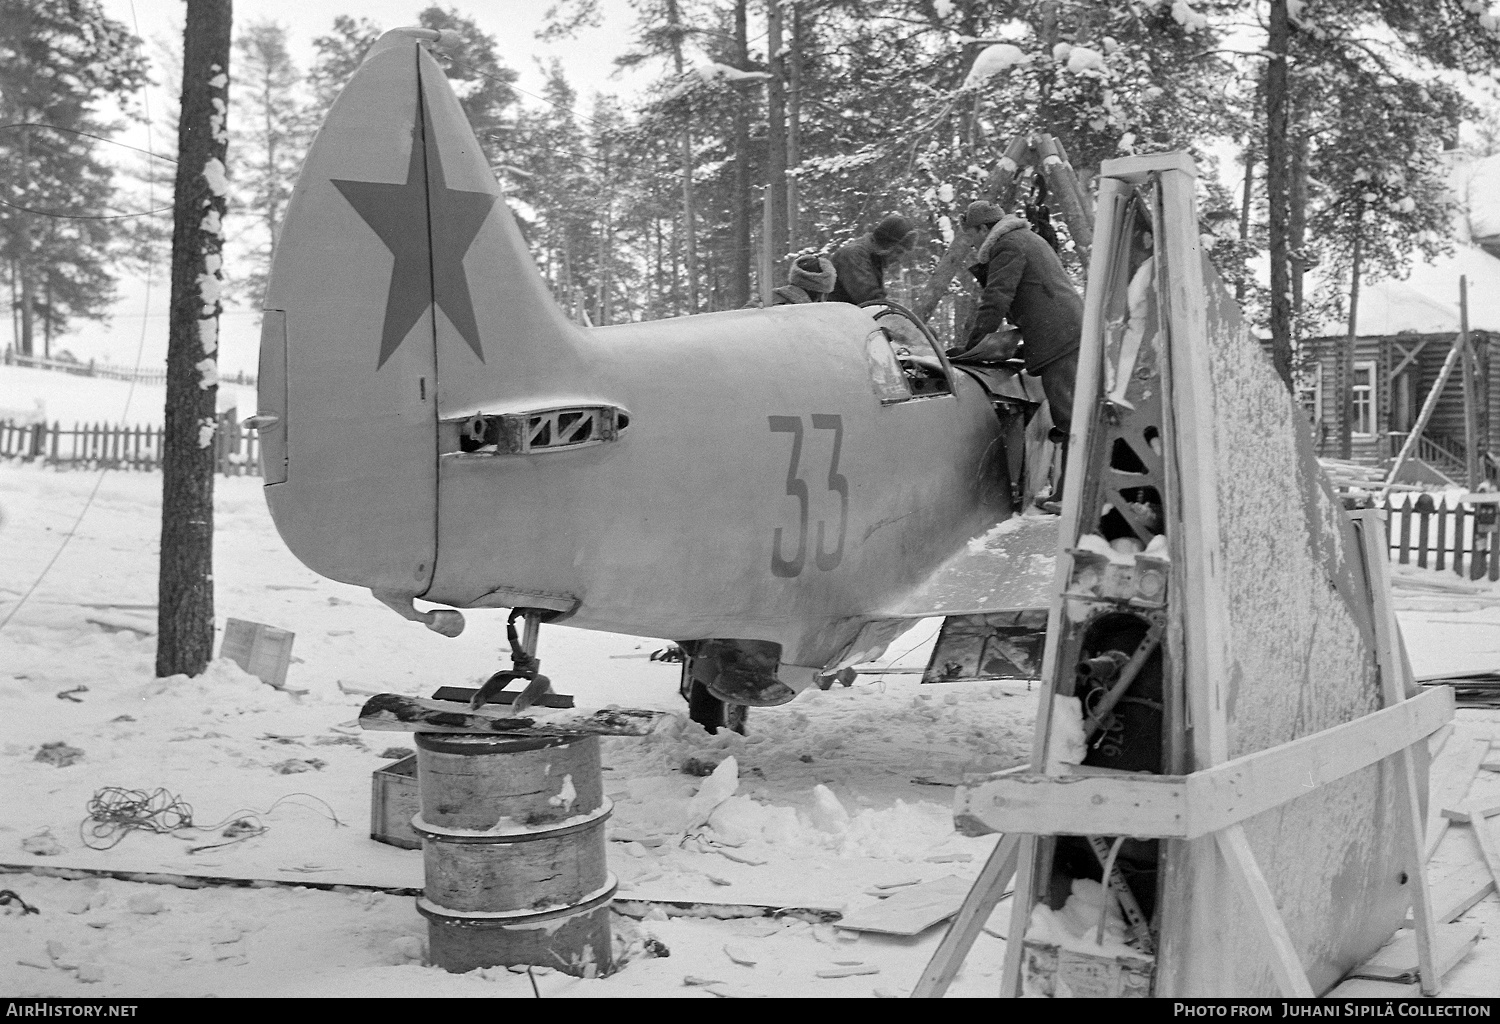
(1023, 281)
(861, 264)
(810, 280)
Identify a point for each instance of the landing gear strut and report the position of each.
(524, 664)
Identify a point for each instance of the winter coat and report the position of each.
(790, 295)
(1023, 281)
(861, 271)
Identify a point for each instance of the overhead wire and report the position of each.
(130, 391)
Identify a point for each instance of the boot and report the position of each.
(1051, 502)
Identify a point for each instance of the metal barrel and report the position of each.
(514, 852)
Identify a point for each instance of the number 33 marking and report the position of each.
(797, 488)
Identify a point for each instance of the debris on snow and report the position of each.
(43, 844)
(297, 765)
(58, 754)
(741, 955)
(717, 788)
(698, 767)
(848, 970)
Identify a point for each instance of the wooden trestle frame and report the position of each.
(1216, 794)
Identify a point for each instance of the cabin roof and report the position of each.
(1426, 302)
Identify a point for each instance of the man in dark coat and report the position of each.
(1023, 281)
(862, 263)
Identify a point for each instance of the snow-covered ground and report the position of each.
(838, 793)
(58, 397)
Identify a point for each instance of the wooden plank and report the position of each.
(911, 911)
(1391, 660)
(1397, 960)
(1457, 888)
(1266, 916)
(1437, 740)
(1469, 811)
(1239, 789)
(975, 910)
(1201, 603)
(1080, 805)
(1188, 806)
(1136, 169)
(393, 712)
(1020, 916)
(1364, 988)
(1442, 535)
(1448, 779)
(1484, 835)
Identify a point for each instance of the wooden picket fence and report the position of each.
(103, 445)
(1439, 534)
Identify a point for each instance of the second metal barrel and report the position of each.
(514, 852)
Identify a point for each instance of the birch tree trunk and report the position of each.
(185, 591)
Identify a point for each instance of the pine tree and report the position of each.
(1390, 52)
(337, 57)
(59, 60)
(269, 144)
(482, 82)
(185, 591)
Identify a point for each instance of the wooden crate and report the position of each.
(263, 651)
(394, 800)
(1053, 971)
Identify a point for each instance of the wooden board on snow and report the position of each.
(393, 712)
(910, 911)
(1448, 779)
(1397, 960)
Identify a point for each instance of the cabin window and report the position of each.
(1363, 388)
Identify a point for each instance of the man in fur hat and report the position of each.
(862, 263)
(810, 280)
(1023, 281)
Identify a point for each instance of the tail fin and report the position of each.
(401, 293)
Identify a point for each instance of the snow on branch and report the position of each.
(991, 61)
(710, 73)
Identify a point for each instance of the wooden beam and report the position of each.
(1486, 840)
(1189, 806)
(1428, 407)
(982, 900)
(1406, 358)
(1134, 170)
(1109, 211)
(1394, 682)
(1193, 461)
(1266, 916)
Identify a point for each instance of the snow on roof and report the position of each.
(1427, 301)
